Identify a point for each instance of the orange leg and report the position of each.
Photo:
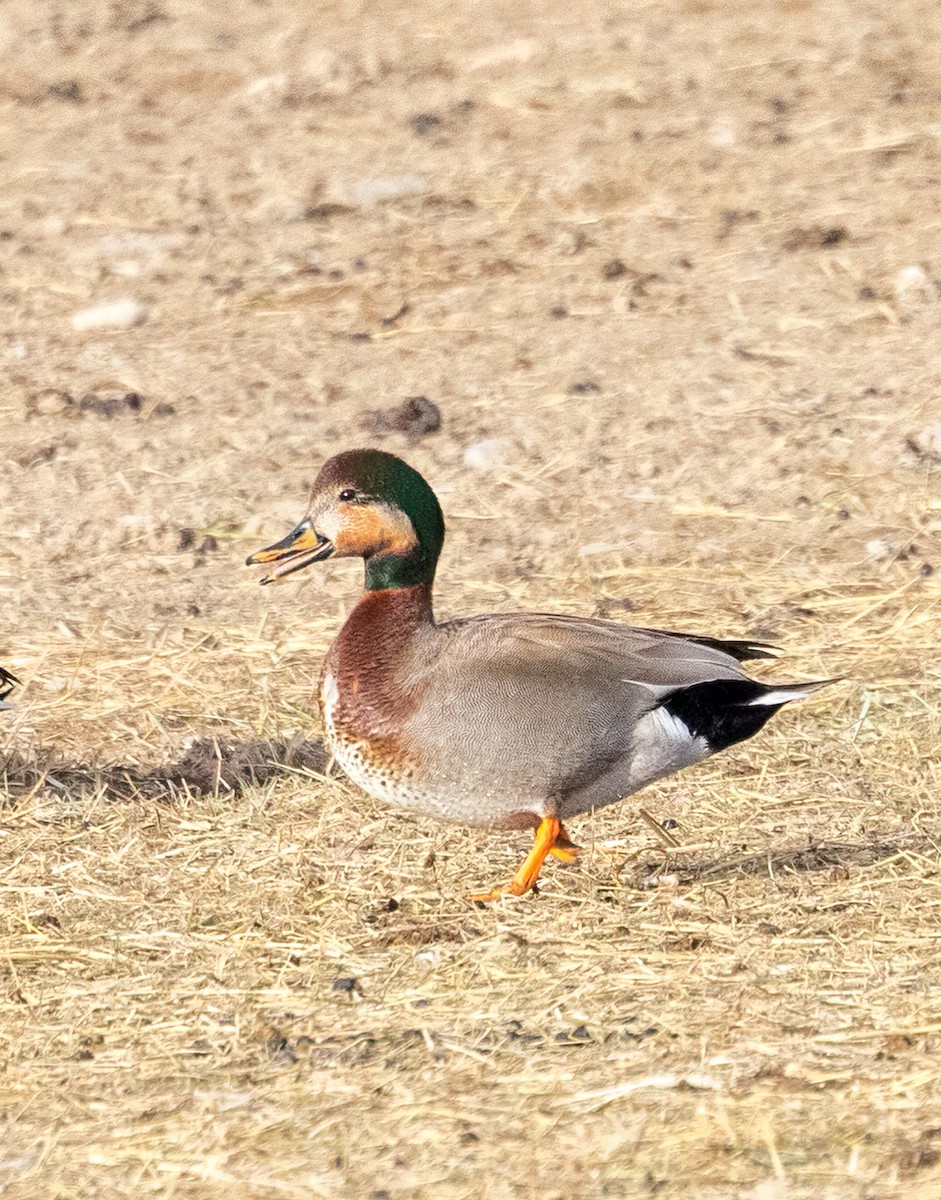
(551, 838)
(564, 848)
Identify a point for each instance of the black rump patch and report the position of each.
(721, 711)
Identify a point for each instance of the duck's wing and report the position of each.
(589, 709)
(739, 648)
(7, 682)
(605, 651)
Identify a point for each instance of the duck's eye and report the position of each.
(348, 494)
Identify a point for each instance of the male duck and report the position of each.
(505, 720)
(7, 681)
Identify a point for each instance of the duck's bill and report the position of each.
(299, 549)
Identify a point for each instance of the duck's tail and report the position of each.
(726, 711)
(777, 694)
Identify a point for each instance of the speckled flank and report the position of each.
(381, 766)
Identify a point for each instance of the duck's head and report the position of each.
(370, 505)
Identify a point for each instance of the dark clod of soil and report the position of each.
(279, 1049)
(613, 269)
(816, 237)
(66, 89)
(585, 387)
(110, 402)
(424, 123)
(416, 416)
(110, 405)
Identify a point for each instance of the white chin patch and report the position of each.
(328, 524)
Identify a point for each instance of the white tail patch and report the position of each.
(778, 696)
(663, 743)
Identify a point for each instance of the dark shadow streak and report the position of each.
(210, 766)
(821, 857)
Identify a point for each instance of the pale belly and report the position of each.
(660, 746)
(405, 785)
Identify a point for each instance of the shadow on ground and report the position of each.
(822, 856)
(210, 766)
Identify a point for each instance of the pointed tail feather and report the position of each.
(783, 693)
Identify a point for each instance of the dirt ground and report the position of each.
(670, 273)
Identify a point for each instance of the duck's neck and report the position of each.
(410, 568)
(370, 652)
(391, 613)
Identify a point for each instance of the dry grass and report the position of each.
(280, 989)
(226, 974)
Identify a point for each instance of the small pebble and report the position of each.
(382, 189)
(485, 455)
(880, 548)
(503, 53)
(722, 133)
(500, 54)
(927, 442)
(914, 288)
(121, 314)
(280, 208)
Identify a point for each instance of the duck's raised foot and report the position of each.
(551, 838)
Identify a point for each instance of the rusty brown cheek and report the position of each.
(365, 531)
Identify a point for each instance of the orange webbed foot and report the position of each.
(507, 889)
(551, 838)
(564, 848)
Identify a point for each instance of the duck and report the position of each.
(7, 682)
(504, 720)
